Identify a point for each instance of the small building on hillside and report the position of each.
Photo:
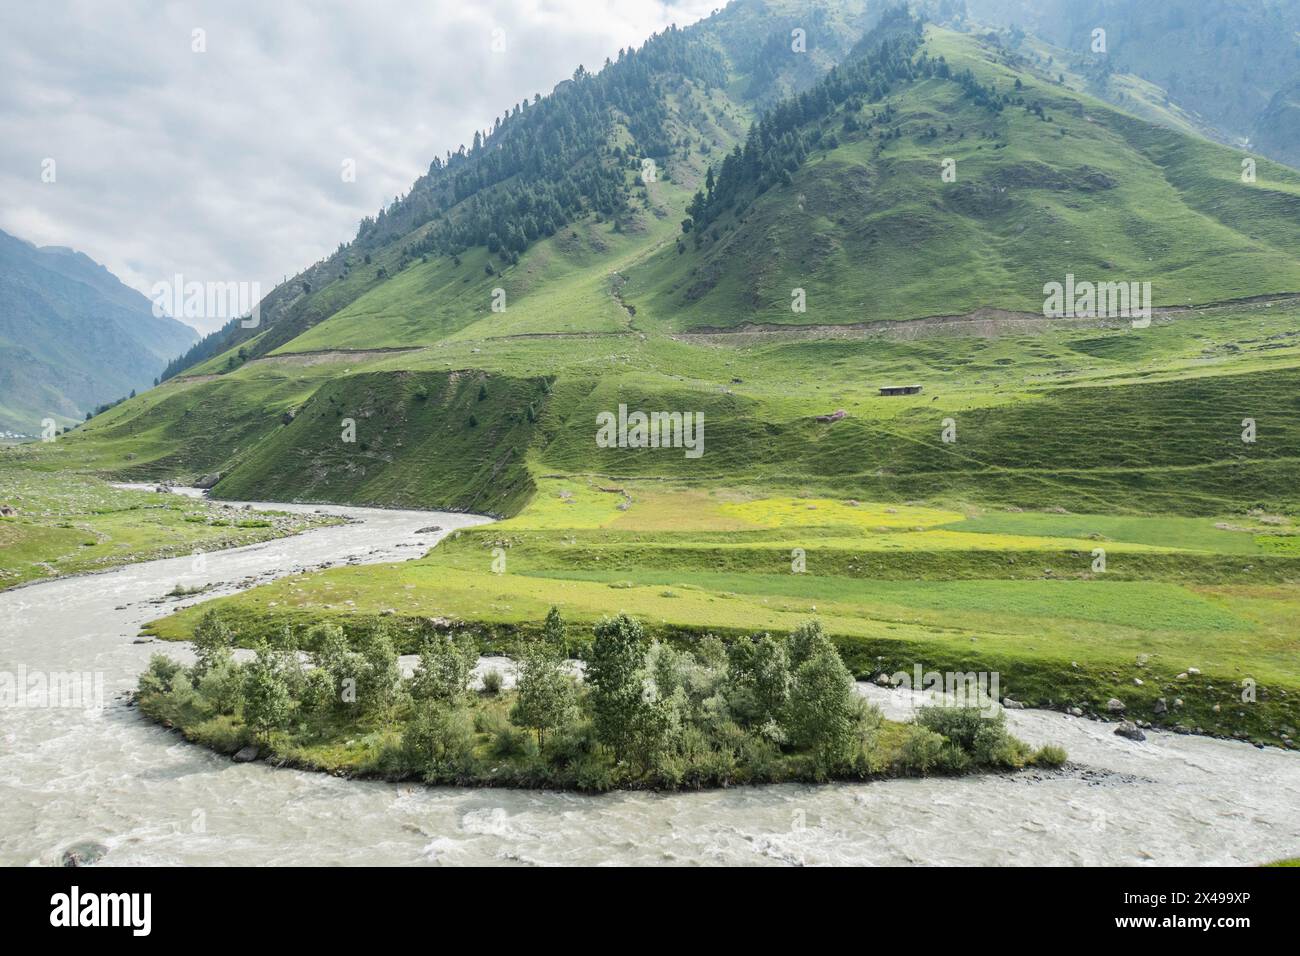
(900, 390)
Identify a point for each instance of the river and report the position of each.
(106, 775)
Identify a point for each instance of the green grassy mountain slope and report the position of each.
(847, 202)
(410, 439)
(547, 171)
(843, 195)
(551, 162)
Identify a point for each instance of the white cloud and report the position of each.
(225, 165)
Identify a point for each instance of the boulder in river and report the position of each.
(1010, 704)
(83, 854)
(1130, 730)
(246, 754)
(432, 529)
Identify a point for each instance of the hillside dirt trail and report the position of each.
(986, 323)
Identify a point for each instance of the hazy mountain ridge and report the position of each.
(74, 336)
(1234, 62)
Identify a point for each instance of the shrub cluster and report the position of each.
(645, 713)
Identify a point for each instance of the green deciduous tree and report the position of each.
(446, 667)
(545, 698)
(823, 712)
(759, 680)
(213, 643)
(379, 682)
(805, 642)
(980, 733)
(342, 665)
(616, 678)
(555, 632)
(439, 739)
(266, 693)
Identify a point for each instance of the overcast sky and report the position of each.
(226, 165)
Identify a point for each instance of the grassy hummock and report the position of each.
(644, 715)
